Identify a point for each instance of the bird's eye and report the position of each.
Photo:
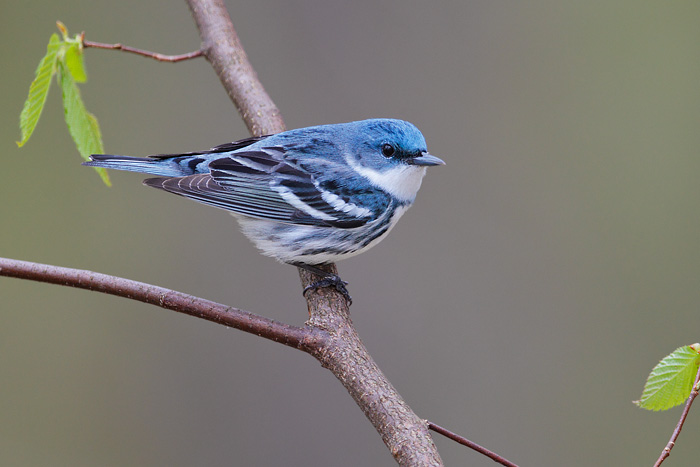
(388, 150)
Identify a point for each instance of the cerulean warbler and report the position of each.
(308, 196)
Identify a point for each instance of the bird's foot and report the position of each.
(327, 280)
(331, 281)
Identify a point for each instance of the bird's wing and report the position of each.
(261, 183)
(226, 147)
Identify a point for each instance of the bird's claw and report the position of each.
(331, 281)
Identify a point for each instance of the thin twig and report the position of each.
(145, 53)
(672, 442)
(470, 444)
(306, 338)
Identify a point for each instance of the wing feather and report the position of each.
(262, 184)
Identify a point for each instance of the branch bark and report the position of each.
(305, 338)
(345, 356)
(224, 51)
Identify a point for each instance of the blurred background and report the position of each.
(521, 303)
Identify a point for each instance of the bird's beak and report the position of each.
(426, 159)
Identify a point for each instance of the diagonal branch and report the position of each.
(470, 444)
(224, 51)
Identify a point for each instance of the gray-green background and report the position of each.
(521, 302)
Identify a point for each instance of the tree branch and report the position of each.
(224, 51)
(405, 434)
(328, 348)
(304, 338)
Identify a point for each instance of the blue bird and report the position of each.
(306, 197)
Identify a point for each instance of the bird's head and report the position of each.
(391, 154)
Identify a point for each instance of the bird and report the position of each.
(308, 196)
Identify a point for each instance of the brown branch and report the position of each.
(305, 338)
(672, 442)
(470, 444)
(406, 435)
(329, 337)
(224, 51)
(144, 53)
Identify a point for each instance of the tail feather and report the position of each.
(147, 165)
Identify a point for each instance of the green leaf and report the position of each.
(38, 90)
(82, 125)
(74, 62)
(670, 382)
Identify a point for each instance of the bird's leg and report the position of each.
(328, 280)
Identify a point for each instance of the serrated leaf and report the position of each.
(82, 125)
(74, 62)
(670, 382)
(38, 90)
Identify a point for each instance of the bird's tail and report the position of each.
(149, 165)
